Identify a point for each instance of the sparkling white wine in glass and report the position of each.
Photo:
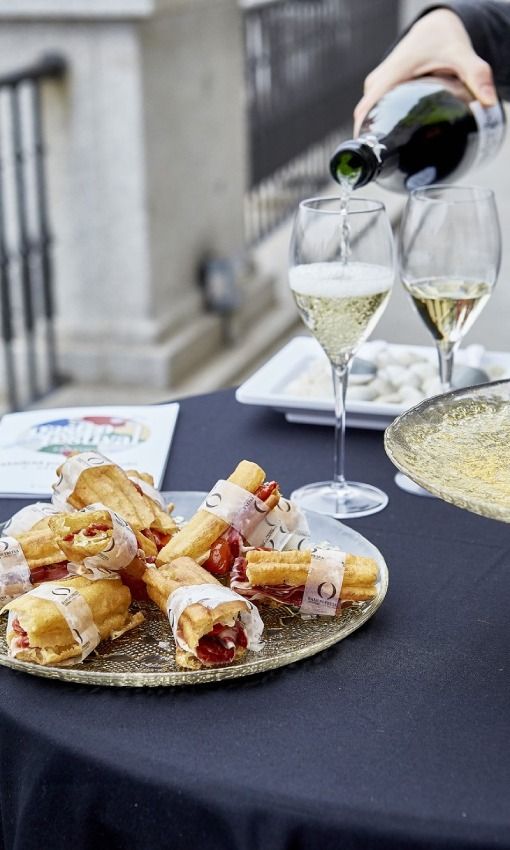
(448, 307)
(449, 256)
(340, 303)
(341, 273)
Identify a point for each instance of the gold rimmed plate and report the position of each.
(146, 656)
(457, 446)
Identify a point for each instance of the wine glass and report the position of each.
(449, 257)
(341, 274)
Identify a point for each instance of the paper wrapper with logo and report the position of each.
(95, 542)
(285, 527)
(211, 624)
(89, 478)
(315, 581)
(31, 518)
(226, 519)
(63, 621)
(29, 559)
(98, 543)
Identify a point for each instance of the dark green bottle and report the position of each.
(424, 131)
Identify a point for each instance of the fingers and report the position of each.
(437, 43)
(477, 75)
(381, 80)
(376, 84)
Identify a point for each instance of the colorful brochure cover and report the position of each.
(34, 443)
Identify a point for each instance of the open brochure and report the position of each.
(34, 443)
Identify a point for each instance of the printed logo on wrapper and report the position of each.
(71, 471)
(14, 570)
(236, 506)
(119, 553)
(76, 611)
(25, 519)
(212, 595)
(324, 583)
(284, 527)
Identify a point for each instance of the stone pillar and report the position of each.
(146, 142)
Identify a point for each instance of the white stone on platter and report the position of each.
(365, 392)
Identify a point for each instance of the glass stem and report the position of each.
(445, 366)
(340, 378)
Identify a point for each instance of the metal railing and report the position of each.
(26, 272)
(305, 65)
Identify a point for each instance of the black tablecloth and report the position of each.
(395, 738)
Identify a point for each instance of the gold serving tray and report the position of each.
(457, 446)
(145, 657)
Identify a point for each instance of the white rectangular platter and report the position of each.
(296, 381)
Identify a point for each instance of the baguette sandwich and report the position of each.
(280, 578)
(65, 620)
(215, 533)
(211, 624)
(90, 478)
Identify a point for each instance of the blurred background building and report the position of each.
(151, 155)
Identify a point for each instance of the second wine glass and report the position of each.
(449, 257)
(341, 273)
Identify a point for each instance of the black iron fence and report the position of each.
(305, 65)
(26, 276)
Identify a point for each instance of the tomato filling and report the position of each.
(22, 637)
(265, 490)
(220, 645)
(228, 547)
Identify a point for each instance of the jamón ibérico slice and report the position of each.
(22, 639)
(235, 541)
(159, 538)
(131, 576)
(239, 569)
(284, 593)
(137, 587)
(94, 527)
(51, 572)
(219, 646)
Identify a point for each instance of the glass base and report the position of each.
(346, 501)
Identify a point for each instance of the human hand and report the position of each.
(437, 43)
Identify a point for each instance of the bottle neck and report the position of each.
(357, 162)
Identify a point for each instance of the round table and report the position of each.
(397, 737)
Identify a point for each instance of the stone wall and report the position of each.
(147, 173)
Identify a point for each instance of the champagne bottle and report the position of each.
(424, 131)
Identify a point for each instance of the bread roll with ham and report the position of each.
(69, 621)
(90, 478)
(280, 578)
(213, 540)
(211, 625)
